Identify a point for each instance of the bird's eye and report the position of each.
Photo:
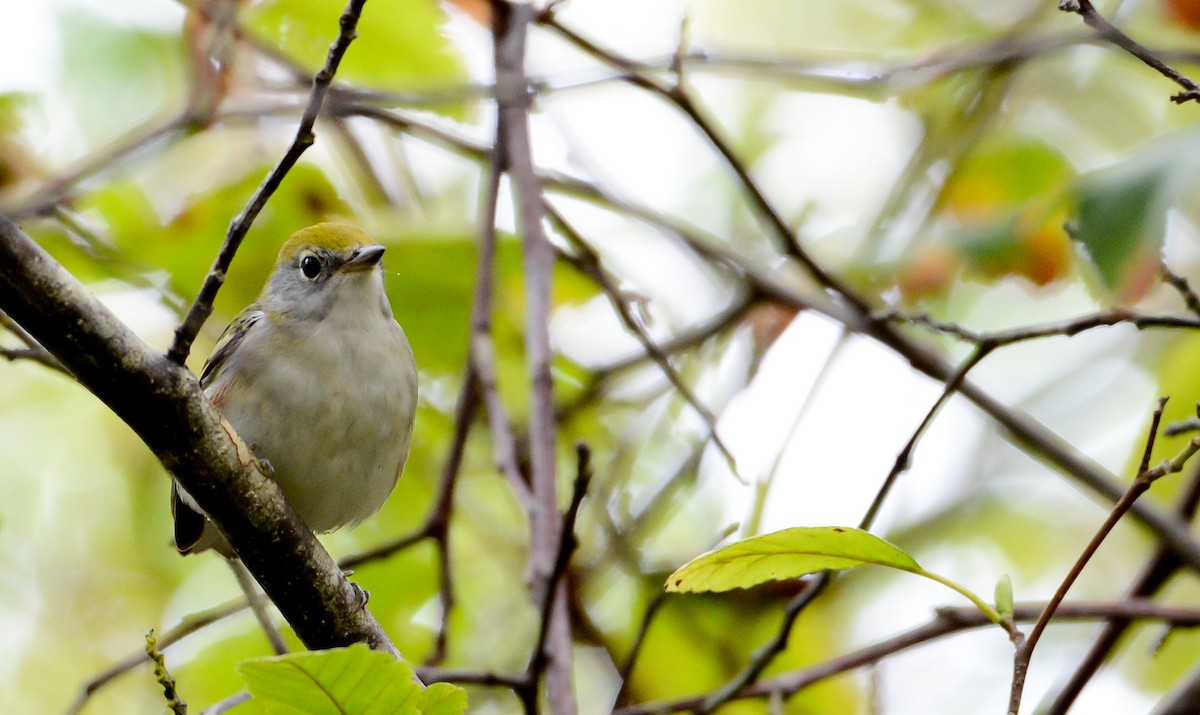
(310, 267)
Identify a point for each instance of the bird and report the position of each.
(319, 380)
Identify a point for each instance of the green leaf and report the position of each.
(787, 554)
(1121, 215)
(1121, 212)
(345, 681)
(443, 699)
(1004, 171)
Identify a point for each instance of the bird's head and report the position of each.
(323, 268)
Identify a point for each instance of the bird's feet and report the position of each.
(360, 593)
(267, 468)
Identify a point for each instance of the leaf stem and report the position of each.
(991, 613)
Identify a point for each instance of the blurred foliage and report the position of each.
(301, 29)
(985, 190)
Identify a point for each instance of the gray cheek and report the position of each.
(297, 297)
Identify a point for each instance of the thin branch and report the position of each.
(635, 649)
(202, 307)
(948, 621)
(1140, 485)
(482, 347)
(188, 626)
(33, 350)
(1060, 328)
(227, 704)
(510, 29)
(904, 458)
(1152, 578)
(1181, 285)
(588, 261)
(259, 605)
(733, 689)
(437, 526)
(677, 95)
(136, 141)
(467, 677)
(567, 543)
(1106, 30)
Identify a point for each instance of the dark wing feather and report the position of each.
(228, 343)
(189, 523)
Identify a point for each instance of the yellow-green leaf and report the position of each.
(787, 554)
(344, 681)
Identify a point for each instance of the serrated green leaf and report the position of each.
(787, 554)
(344, 681)
(443, 699)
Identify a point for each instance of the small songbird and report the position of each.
(317, 377)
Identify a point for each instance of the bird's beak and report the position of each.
(364, 259)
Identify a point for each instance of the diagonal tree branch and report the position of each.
(163, 404)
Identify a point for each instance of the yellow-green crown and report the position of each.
(338, 237)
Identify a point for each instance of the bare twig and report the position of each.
(903, 459)
(136, 141)
(511, 23)
(1146, 476)
(588, 261)
(677, 95)
(1181, 285)
(188, 626)
(947, 622)
(482, 347)
(1152, 578)
(33, 350)
(635, 649)
(1106, 30)
(1061, 328)
(201, 308)
(566, 546)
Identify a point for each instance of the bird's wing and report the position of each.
(190, 523)
(228, 343)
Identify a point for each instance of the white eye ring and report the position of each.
(310, 266)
